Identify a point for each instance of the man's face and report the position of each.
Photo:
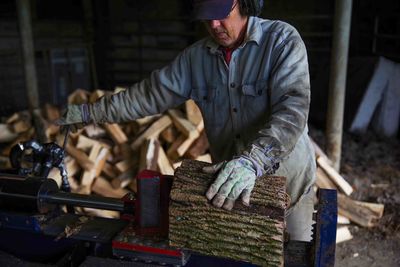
(229, 31)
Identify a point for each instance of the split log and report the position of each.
(116, 133)
(193, 112)
(164, 165)
(343, 234)
(323, 180)
(342, 184)
(358, 213)
(149, 155)
(103, 187)
(154, 130)
(183, 125)
(6, 135)
(81, 158)
(205, 158)
(253, 234)
(199, 147)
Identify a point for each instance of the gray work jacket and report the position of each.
(258, 106)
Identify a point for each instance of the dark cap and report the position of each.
(211, 9)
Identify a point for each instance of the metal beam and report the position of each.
(337, 84)
(28, 53)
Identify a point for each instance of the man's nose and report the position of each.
(214, 23)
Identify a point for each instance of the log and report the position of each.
(103, 187)
(359, 214)
(342, 184)
(164, 165)
(343, 234)
(81, 158)
(154, 130)
(149, 155)
(193, 112)
(323, 180)
(116, 133)
(183, 125)
(253, 234)
(199, 147)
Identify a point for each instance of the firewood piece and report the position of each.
(71, 165)
(359, 214)
(204, 158)
(149, 155)
(79, 96)
(342, 220)
(51, 112)
(21, 126)
(147, 120)
(119, 89)
(323, 180)
(93, 131)
(52, 130)
(95, 95)
(84, 143)
(101, 213)
(154, 130)
(376, 208)
(193, 112)
(124, 165)
(109, 170)
(103, 187)
(183, 125)
(98, 155)
(116, 133)
(172, 150)
(163, 163)
(81, 158)
(6, 135)
(253, 234)
(199, 147)
(123, 180)
(169, 134)
(21, 138)
(342, 184)
(343, 234)
(319, 152)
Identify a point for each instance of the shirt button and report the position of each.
(234, 109)
(237, 136)
(233, 85)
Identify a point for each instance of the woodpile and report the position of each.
(254, 234)
(364, 214)
(104, 159)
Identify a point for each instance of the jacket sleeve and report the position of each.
(289, 90)
(165, 88)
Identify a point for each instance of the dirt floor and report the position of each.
(372, 165)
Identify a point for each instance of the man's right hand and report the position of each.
(76, 116)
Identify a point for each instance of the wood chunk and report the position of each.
(342, 184)
(95, 95)
(183, 125)
(28, 135)
(193, 112)
(199, 147)
(84, 143)
(253, 234)
(103, 187)
(319, 152)
(51, 112)
(154, 130)
(116, 133)
(359, 214)
(6, 135)
(376, 208)
(93, 131)
(124, 165)
(98, 155)
(323, 180)
(79, 96)
(147, 120)
(164, 165)
(205, 158)
(169, 135)
(119, 89)
(109, 170)
(172, 150)
(101, 213)
(343, 234)
(52, 130)
(81, 158)
(71, 165)
(342, 220)
(149, 155)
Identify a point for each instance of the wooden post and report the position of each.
(337, 85)
(28, 52)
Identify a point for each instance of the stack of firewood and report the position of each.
(364, 214)
(105, 159)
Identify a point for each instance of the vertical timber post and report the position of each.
(28, 53)
(337, 83)
(28, 59)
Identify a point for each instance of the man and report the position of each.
(250, 79)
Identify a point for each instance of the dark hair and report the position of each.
(250, 7)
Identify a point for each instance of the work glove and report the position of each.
(75, 116)
(236, 179)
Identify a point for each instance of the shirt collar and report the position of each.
(253, 33)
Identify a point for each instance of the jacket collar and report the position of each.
(253, 33)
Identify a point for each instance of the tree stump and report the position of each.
(253, 234)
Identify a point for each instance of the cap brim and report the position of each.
(211, 9)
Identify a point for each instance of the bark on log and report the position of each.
(253, 234)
